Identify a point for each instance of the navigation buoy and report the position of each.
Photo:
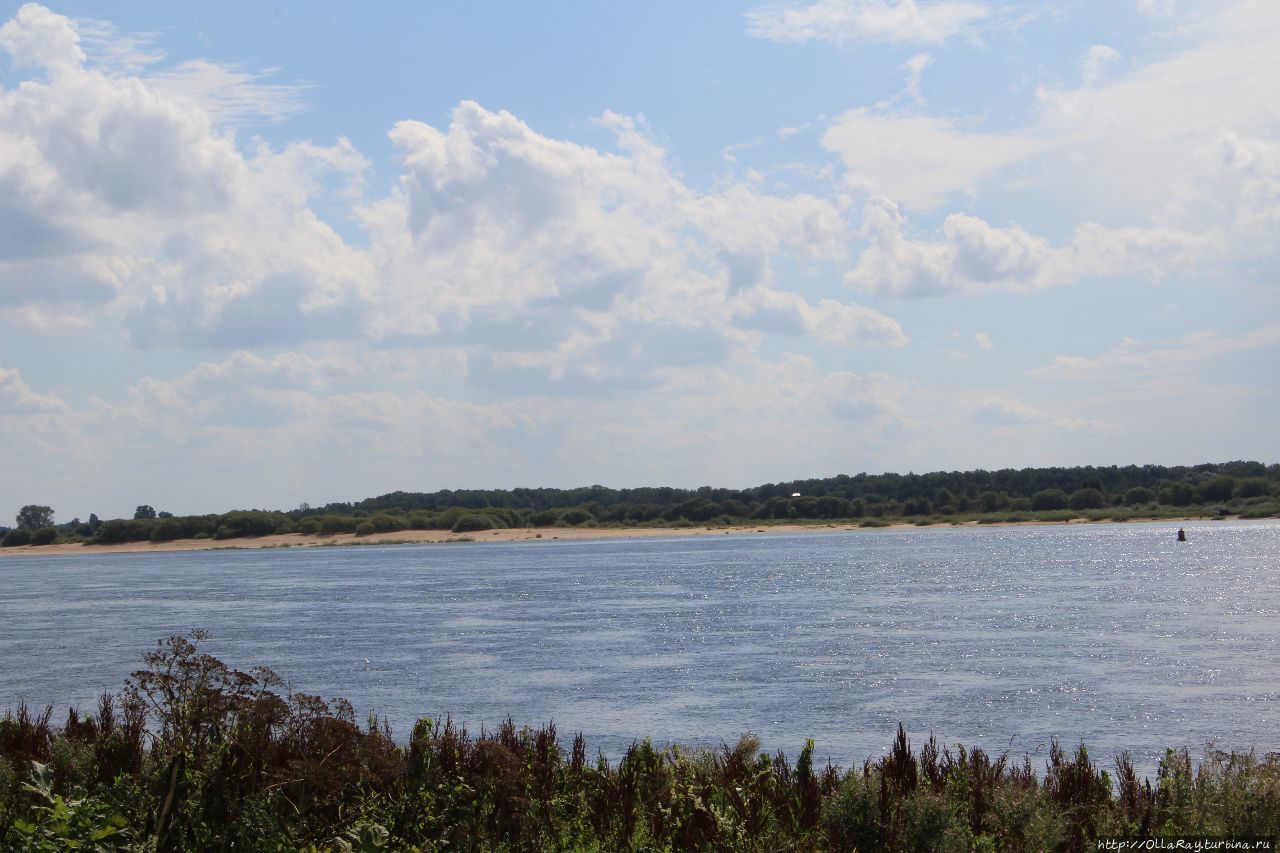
(1182, 535)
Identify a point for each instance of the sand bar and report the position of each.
(521, 534)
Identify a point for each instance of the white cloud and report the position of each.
(983, 340)
(16, 398)
(973, 256)
(551, 263)
(120, 191)
(1237, 183)
(1155, 8)
(1133, 359)
(502, 237)
(115, 52)
(920, 161)
(994, 410)
(841, 21)
(231, 95)
(829, 321)
(1133, 134)
(915, 67)
(37, 38)
(1096, 63)
(1144, 147)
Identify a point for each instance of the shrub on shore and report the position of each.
(193, 755)
(44, 536)
(16, 538)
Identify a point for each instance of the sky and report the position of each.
(254, 255)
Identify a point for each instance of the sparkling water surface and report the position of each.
(1001, 637)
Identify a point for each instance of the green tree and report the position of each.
(1216, 489)
(991, 501)
(1176, 494)
(44, 536)
(1088, 498)
(15, 538)
(1139, 495)
(1255, 488)
(1049, 499)
(33, 517)
(144, 511)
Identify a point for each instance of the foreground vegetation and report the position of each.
(194, 755)
(1244, 489)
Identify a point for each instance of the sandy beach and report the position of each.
(407, 537)
(523, 534)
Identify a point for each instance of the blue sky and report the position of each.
(255, 255)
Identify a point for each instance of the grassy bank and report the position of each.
(194, 755)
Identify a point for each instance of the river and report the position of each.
(1002, 637)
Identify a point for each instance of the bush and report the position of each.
(15, 538)
(124, 530)
(1049, 499)
(366, 528)
(577, 517)
(330, 524)
(383, 523)
(44, 536)
(917, 506)
(421, 520)
(1086, 499)
(1261, 510)
(167, 530)
(1138, 495)
(1216, 489)
(1176, 494)
(252, 765)
(471, 522)
(1252, 489)
(238, 523)
(545, 518)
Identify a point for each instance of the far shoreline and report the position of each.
(534, 534)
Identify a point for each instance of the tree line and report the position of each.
(1248, 489)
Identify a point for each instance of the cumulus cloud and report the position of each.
(545, 262)
(38, 38)
(501, 237)
(1138, 146)
(841, 21)
(1134, 133)
(829, 321)
(121, 191)
(974, 256)
(1237, 182)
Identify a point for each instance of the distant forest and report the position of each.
(1244, 489)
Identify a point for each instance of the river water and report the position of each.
(1001, 637)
